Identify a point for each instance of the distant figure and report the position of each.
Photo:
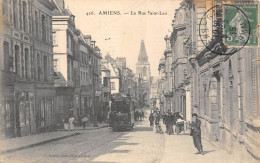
(71, 123)
(80, 119)
(141, 115)
(84, 121)
(157, 124)
(196, 133)
(151, 119)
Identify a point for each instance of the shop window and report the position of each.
(42, 114)
(7, 114)
(27, 113)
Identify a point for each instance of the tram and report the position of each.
(121, 116)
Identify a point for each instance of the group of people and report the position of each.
(176, 119)
(174, 122)
(139, 116)
(154, 118)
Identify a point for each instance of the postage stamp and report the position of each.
(240, 23)
(226, 29)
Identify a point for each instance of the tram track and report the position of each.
(77, 148)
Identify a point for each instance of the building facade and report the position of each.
(222, 89)
(27, 96)
(106, 92)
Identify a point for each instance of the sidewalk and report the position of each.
(20, 143)
(180, 148)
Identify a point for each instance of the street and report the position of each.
(140, 145)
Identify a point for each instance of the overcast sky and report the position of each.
(126, 31)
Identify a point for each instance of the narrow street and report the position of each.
(102, 145)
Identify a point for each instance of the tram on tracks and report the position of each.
(121, 116)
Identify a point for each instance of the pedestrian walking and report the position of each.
(157, 124)
(71, 123)
(170, 125)
(196, 133)
(151, 119)
(84, 121)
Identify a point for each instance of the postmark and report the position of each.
(226, 29)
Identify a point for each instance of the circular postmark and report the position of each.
(225, 29)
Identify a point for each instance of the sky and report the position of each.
(121, 35)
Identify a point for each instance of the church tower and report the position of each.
(143, 72)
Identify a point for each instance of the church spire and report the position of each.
(142, 54)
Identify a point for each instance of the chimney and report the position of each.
(87, 38)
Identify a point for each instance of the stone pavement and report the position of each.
(180, 148)
(20, 143)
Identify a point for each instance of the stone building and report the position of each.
(179, 40)
(168, 80)
(27, 94)
(161, 86)
(143, 70)
(106, 90)
(85, 76)
(65, 62)
(222, 89)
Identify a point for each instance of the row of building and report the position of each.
(51, 71)
(222, 89)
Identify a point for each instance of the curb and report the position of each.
(85, 129)
(37, 144)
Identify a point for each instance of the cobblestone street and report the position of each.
(140, 145)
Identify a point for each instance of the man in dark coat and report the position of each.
(196, 133)
(151, 119)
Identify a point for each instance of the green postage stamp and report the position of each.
(240, 25)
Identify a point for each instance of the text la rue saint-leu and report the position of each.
(128, 13)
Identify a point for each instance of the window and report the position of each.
(144, 71)
(20, 14)
(25, 16)
(17, 59)
(54, 38)
(7, 113)
(55, 64)
(112, 85)
(42, 112)
(4, 8)
(80, 75)
(8, 63)
(36, 23)
(39, 66)
(105, 81)
(22, 64)
(43, 28)
(45, 68)
(15, 14)
(26, 63)
(68, 68)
